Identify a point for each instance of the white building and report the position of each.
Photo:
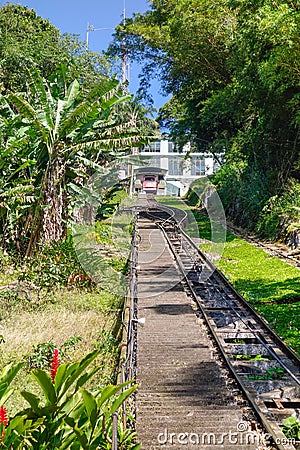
(182, 167)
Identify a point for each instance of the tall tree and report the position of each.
(28, 40)
(65, 127)
(232, 68)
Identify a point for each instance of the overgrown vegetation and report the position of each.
(270, 285)
(61, 124)
(57, 307)
(280, 217)
(66, 122)
(48, 302)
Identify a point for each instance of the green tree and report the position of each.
(27, 40)
(232, 69)
(63, 127)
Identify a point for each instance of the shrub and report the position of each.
(281, 215)
(54, 265)
(65, 416)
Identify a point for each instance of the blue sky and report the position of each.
(73, 16)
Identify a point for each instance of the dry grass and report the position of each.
(56, 318)
(54, 324)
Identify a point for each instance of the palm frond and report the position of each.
(40, 89)
(29, 113)
(72, 93)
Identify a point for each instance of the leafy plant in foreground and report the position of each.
(66, 416)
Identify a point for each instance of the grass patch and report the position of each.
(269, 284)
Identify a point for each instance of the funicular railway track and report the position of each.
(266, 370)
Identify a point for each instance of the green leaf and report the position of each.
(33, 400)
(40, 89)
(9, 372)
(60, 376)
(290, 421)
(28, 112)
(110, 390)
(120, 399)
(58, 113)
(73, 372)
(6, 394)
(46, 384)
(136, 447)
(90, 406)
(82, 437)
(72, 93)
(73, 406)
(27, 163)
(86, 376)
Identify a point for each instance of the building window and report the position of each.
(154, 147)
(175, 167)
(172, 147)
(198, 166)
(154, 162)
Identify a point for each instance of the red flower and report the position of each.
(3, 418)
(54, 364)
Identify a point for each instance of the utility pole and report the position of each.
(125, 59)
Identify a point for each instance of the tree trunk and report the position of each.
(55, 205)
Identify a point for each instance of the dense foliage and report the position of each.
(232, 68)
(27, 40)
(64, 415)
(62, 118)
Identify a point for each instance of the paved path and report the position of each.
(183, 401)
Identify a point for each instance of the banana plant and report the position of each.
(17, 192)
(63, 122)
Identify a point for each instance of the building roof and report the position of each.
(150, 170)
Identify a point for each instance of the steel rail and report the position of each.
(246, 304)
(214, 269)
